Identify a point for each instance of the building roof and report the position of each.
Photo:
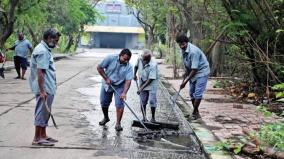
(113, 29)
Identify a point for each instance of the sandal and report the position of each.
(195, 116)
(50, 139)
(104, 121)
(42, 142)
(118, 128)
(153, 120)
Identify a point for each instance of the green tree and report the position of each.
(34, 16)
(152, 17)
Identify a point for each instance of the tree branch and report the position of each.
(140, 19)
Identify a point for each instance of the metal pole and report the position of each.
(130, 109)
(142, 108)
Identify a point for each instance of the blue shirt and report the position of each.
(194, 58)
(42, 59)
(148, 71)
(22, 48)
(116, 71)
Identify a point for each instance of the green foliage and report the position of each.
(9, 56)
(170, 57)
(69, 17)
(159, 50)
(235, 29)
(85, 38)
(280, 92)
(230, 145)
(263, 109)
(221, 83)
(222, 146)
(281, 100)
(152, 14)
(278, 87)
(273, 135)
(279, 30)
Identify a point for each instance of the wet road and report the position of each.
(77, 112)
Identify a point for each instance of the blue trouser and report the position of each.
(106, 96)
(41, 113)
(197, 87)
(148, 95)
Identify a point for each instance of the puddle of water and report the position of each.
(97, 79)
(123, 143)
(91, 93)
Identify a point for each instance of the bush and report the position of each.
(273, 135)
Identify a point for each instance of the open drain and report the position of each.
(167, 140)
(163, 136)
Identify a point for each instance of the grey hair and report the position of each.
(146, 52)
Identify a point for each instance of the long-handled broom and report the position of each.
(115, 91)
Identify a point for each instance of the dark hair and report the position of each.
(182, 38)
(50, 33)
(58, 34)
(125, 51)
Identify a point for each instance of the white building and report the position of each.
(119, 29)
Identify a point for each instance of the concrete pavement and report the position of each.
(77, 112)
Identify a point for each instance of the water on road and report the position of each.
(178, 144)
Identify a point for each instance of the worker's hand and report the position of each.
(135, 77)
(182, 85)
(123, 96)
(108, 81)
(138, 92)
(43, 95)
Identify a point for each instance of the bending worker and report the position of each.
(116, 71)
(148, 82)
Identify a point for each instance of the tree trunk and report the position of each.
(78, 37)
(9, 26)
(69, 44)
(216, 59)
(150, 39)
(171, 21)
(34, 38)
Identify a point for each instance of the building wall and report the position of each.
(115, 13)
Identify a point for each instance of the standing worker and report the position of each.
(21, 47)
(43, 85)
(197, 72)
(148, 82)
(116, 71)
